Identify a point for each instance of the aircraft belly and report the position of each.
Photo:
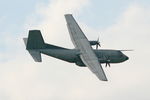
(66, 55)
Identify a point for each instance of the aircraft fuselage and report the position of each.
(73, 55)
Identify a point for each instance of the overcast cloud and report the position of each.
(23, 79)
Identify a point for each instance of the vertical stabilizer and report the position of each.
(34, 43)
(35, 40)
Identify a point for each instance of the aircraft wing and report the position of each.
(81, 43)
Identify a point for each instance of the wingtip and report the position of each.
(105, 80)
(68, 15)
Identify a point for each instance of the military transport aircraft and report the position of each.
(82, 55)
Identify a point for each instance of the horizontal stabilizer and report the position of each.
(25, 41)
(36, 55)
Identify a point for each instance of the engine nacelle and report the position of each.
(80, 64)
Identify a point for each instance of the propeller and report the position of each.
(107, 62)
(127, 50)
(97, 43)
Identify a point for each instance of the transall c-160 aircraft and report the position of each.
(82, 55)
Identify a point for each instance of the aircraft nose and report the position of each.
(127, 58)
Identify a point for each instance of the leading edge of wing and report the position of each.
(81, 42)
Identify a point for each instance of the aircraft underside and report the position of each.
(83, 55)
(73, 55)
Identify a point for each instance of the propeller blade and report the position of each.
(126, 50)
(98, 39)
(99, 44)
(107, 64)
(107, 61)
(96, 46)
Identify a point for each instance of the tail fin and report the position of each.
(35, 40)
(34, 43)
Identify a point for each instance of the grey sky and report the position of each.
(120, 25)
